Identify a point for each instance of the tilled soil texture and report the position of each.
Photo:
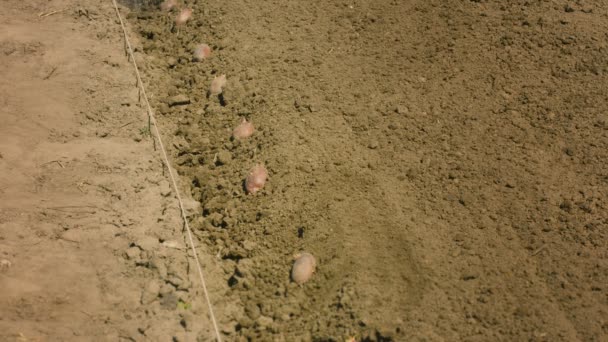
(442, 160)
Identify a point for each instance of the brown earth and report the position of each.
(85, 208)
(443, 161)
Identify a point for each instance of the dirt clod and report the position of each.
(178, 100)
(133, 253)
(150, 292)
(224, 158)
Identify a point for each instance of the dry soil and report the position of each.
(442, 160)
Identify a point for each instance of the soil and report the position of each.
(442, 161)
(86, 212)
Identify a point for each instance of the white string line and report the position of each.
(166, 161)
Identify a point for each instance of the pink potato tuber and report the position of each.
(183, 16)
(217, 85)
(303, 267)
(256, 179)
(201, 52)
(167, 5)
(243, 130)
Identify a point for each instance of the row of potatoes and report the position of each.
(304, 263)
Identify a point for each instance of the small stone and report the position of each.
(163, 108)
(246, 284)
(373, 145)
(178, 100)
(228, 328)
(264, 321)
(401, 110)
(133, 253)
(249, 245)
(172, 244)
(252, 311)
(224, 158)
(171, 62)
(166, 289)
(150, 292)
(165, 188)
